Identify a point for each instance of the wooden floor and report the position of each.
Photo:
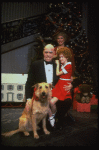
(82, 132)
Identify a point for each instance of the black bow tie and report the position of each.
(47, 63)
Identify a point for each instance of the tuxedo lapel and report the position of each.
(55, 78)
(42, 72)
(54, 71)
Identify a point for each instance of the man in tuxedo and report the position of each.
(45, 71)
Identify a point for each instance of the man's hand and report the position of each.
(68, 87)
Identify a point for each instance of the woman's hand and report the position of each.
(68, 87)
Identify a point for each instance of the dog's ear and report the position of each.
(51, 86)
(36, 85)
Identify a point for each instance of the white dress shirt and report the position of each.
(49, 72)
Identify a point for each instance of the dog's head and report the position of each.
(43, 91)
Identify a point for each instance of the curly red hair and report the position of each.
(66, 52)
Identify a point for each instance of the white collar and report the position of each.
(66, 64)
(47, 64)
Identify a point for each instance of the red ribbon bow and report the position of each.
(34, 96)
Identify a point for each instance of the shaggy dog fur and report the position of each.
(37, 111)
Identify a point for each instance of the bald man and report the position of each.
(42, 71)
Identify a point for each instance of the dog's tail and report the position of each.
(10, 133)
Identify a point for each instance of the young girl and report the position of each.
(65, 72)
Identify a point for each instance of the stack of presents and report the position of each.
(83, 100)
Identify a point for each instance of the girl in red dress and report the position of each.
(65, 73)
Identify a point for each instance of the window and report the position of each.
(20, 87)
(10, 87)
(19, 96)
(2, 96)
(2, 87)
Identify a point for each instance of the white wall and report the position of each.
(18, 60)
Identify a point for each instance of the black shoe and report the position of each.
(70, 117)
(58, 124)
(59, 127)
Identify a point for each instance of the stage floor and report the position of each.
(82, 132)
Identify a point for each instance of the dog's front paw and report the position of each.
(36, 136)
(26, 133)
(47, 132)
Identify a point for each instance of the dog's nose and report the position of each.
(43, 93)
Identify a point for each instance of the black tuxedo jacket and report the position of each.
(36, 74)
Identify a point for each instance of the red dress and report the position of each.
(64, 79)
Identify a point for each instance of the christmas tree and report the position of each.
(68, 18)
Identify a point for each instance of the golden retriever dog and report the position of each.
(37, 110)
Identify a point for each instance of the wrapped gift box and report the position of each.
(83, 107)
(94, 100)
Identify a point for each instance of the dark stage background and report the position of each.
(92, 38)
